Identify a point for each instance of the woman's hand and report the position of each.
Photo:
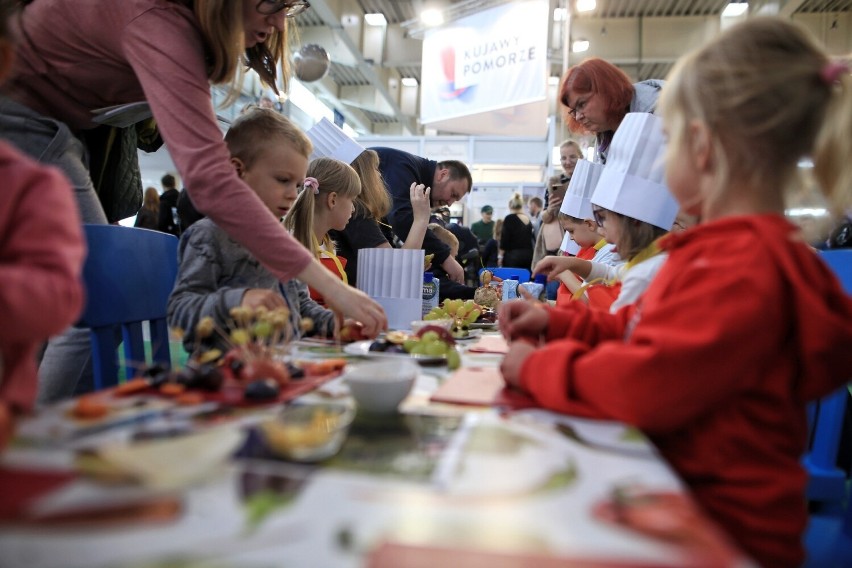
(514, 361)
(257, 297)
(421, 205)
(522, 318)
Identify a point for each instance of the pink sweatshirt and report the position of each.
(76, 56)
(41, 259)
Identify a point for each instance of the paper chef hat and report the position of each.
(583, 181)
(633, 181)
(331, 142)
(568, 245)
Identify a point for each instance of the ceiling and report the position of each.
(368, 63)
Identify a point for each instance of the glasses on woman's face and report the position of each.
(291, 8)
(600, 216)
(580, 107)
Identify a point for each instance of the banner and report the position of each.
(490, 61)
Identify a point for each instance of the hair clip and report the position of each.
(311, 183)
(832, 71)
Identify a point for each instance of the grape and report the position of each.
(453, 359)
(429, 336)
(419, 349)
(436, 348)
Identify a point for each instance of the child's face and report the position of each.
(276, 176)
(341, 212)
(582, 233)
(610, 225)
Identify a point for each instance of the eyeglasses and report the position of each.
(580, 107)
(600, 216)
(291, 8)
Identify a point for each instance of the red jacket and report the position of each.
(601, 295)
(743, 325)
(41, 259)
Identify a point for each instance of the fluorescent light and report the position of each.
(734, 9)
(409, 82)
(432, 17)
(560, 14)
(580, 45)
(375, 19)
(585, 5)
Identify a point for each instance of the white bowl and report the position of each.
(380, 387)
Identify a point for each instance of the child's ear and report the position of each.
(331, 200)
(700, 145)
(239, 166)
(591, 225)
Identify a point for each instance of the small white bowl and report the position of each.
(380, 387)
(417, 325)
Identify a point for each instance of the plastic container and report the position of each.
(510, 288)
(536, 287)
(430, 293)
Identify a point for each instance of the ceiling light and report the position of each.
(580, 46)
(560, 14)
(409, 82)
(734, 9)
(375, 19)
(585, 5)
(432, 17)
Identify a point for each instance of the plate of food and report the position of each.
(431, 345)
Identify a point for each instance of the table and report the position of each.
(436, 485)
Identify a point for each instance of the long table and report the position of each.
(434, 485)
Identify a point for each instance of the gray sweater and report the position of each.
(214, 271)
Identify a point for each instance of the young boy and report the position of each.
(41, 258)
(216, 273)
(575, 216)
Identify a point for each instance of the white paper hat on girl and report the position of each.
(633, 181)
(331, 142)
(577, 202)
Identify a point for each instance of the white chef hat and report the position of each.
(331, 142)
(583, 181)
(633, 181)
(568, 245)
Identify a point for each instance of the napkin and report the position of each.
(490, 344)
(394, 278)
(482, 386)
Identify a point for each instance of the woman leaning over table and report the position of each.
(598, 95)
(76, 56)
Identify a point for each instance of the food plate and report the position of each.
(487, 326)
(362, 348)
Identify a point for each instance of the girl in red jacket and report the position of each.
(744, 324)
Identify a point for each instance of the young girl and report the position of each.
(326, 202)
(150, 212)
(744, 324)
(641, 210)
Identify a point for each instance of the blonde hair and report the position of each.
(252, 133)
(498, 229)
(374, 198)
(333, 176)
(152, 198)
(221, 23)
(445, 236)
(516, 202)
(760, 89)
(634, 235)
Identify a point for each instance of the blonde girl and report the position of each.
(326, 202)
(744, 324)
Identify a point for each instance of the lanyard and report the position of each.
(646, 253)
(328, 254)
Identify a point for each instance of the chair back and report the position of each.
(826, 481)
(128, 275)
(504, 273)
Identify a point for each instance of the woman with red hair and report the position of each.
(597, 95)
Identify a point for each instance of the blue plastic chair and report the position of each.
(128, 276)
(500, 272)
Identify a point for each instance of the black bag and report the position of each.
(114, 165)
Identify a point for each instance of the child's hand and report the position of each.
(514, 360)
(421, 205)
(553, 266)
(269, 299)
(522, 318)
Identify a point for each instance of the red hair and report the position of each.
(594, 75)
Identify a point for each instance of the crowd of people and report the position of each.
(667, 263)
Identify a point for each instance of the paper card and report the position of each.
(490, 344)
(401, 311)
(480, 386)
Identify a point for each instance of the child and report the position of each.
(448, 289)
(640, 210)
(575, 216)
(41, 258)
(326, 203)
(744, 324)
(216, 273)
